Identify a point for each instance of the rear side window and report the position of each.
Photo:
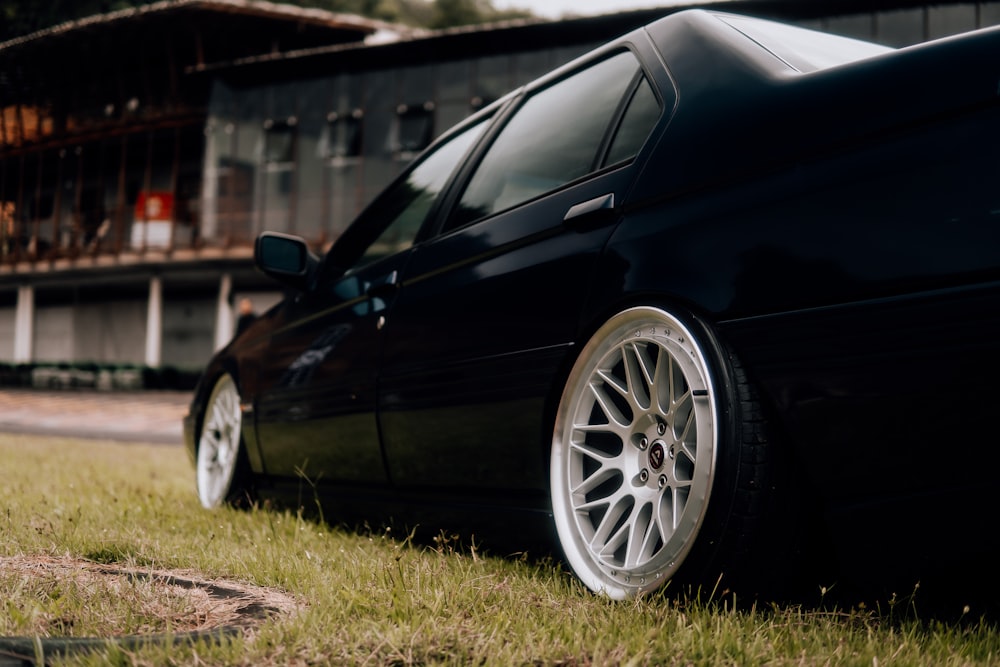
(558, 135)
(640, 116)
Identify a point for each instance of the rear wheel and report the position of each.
(646, 439)
(221, 463)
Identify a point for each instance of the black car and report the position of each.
(716, 284)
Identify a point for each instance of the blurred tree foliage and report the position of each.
(21, 17)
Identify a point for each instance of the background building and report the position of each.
(142, 151)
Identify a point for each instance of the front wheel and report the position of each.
(221, 463)
(640, 441)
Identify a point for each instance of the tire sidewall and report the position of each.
(708, 560)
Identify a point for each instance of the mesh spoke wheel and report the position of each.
(634, 453)
(219, 444)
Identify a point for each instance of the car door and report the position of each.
(489, 308)
(315, 412)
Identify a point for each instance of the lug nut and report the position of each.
(643, 475)
(662, 482)
(661, 428)
(643, 443)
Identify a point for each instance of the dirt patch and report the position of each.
(66, 597)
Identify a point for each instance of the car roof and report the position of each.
(802, 49)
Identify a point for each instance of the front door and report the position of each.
(316, 408)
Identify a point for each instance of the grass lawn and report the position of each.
(376, 598)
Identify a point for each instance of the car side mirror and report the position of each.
(285, 258)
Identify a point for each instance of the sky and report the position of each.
(554, 9)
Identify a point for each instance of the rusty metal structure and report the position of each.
(142, 150)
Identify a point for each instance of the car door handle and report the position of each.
(592, 210)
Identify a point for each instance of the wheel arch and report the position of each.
(230, 365)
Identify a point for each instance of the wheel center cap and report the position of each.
(657, 454)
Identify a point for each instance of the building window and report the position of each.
(279, 156)
(343, 134)
(413, 129)
(279, 143)
(277, 200)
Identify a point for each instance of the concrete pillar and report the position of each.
(24, 325)
(154, 323)
(224, 312)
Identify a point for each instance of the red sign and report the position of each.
(152, 206)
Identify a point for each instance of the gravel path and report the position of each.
(148, 416)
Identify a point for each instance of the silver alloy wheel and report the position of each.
(218, 446)
(633, 453)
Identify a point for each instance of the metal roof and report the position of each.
(247, 9)
(417, 44)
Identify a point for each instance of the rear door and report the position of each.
(489, 308)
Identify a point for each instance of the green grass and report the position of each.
(378, 599)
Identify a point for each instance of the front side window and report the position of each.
(555, 137)
(401, 211)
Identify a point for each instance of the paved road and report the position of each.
(148, 416)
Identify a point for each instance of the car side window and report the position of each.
(556, 136)
(395, 218)
(641, 115)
